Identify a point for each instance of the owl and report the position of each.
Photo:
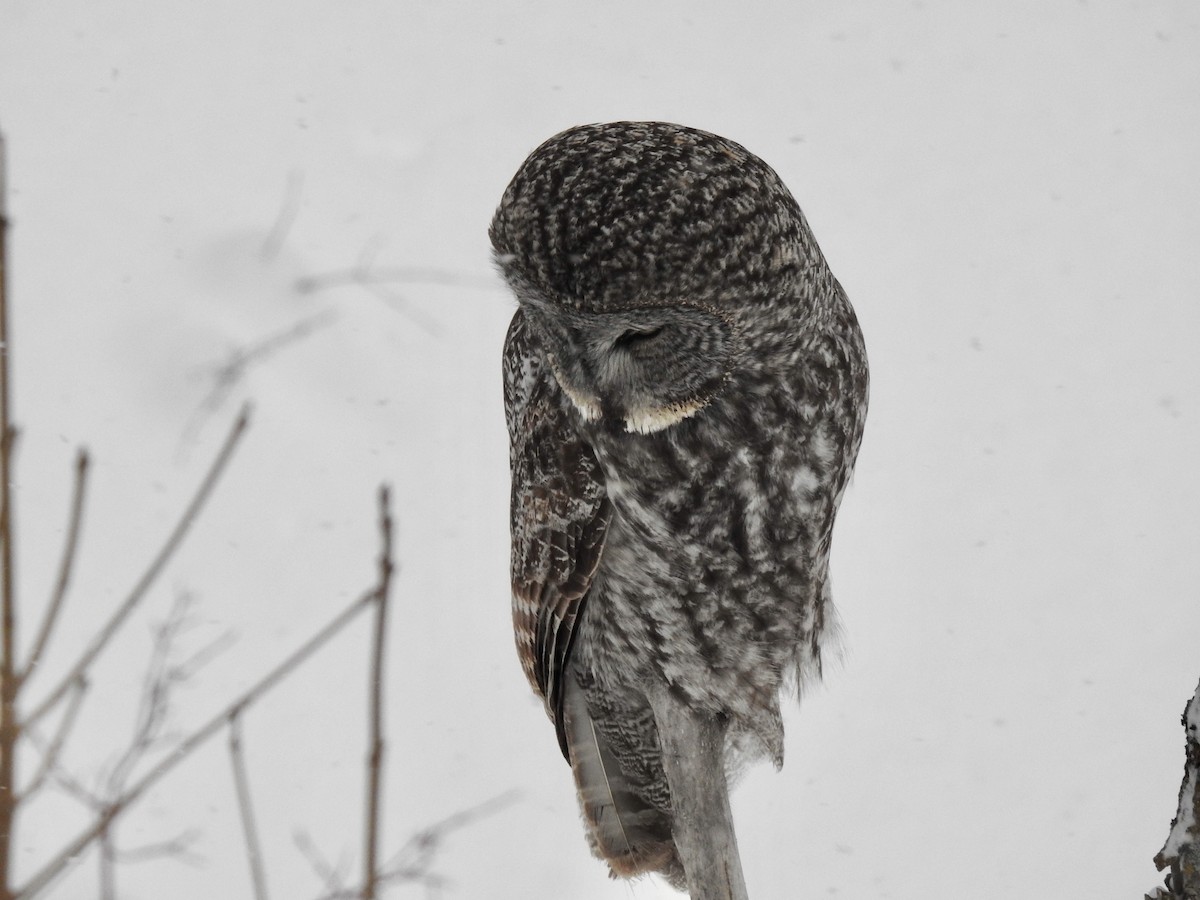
(685, 386)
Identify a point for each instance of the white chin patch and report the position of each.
(648, 421)
(589, 407)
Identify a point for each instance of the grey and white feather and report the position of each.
(685, 384)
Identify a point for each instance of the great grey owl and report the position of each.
(685, 385)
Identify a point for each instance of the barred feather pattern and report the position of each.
(686, 389)
(560, 517)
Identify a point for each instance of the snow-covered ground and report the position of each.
(1009, 192)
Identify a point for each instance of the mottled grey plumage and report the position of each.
(686, 385)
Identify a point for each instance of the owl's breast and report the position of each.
(714, 570)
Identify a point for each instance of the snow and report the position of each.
(1008, 193)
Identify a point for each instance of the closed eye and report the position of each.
(635, 338)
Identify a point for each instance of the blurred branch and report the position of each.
(289, 209)
(186, 668)
(229, 374)
(379, 644)
(108, 864)
(66, 782)
(1181, 852)
(179, 847)
(74, 522)
(116, 790)
(413, 862)
(187, 746)
(107, 799)
(9, 727)
(332, 876)
(160, 678)
(241, 781)
(8, 450)
(364, 274)
(172, 543)
(417, 853)
(53, 750)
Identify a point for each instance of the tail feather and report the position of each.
(630, 834)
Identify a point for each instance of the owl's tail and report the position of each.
(627, 832)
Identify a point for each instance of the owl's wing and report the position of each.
(560, 517)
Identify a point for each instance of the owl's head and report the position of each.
(645, 254)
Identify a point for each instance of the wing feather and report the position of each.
(560, 517)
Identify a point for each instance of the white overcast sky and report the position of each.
(1010, 194)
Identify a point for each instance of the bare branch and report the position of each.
(65, 566)
(3, 177)
(379, 644)
(188, 745)
(364, 276)
(341, 894)
(413, 862)
(53, 750)
(143, 585)
(108, 865)
(10, 729)
(8, 448)
(66, 782)
(241, 781)
(229, 374)
(332, 876)
(233, 370)
(178, 847)
(154, 704)
(286, 217)
(186, 668)
(62, 778)
(417, 852)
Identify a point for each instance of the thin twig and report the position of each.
(65, 566)
(186, 668)
(178, 847)
(143, 585)
(379, 644)
(341, 894)
(9, 727)
(154, 704)
(9, 446)
(66, 782)
(331, 875)
(228, 375)
(241, 782)
(285, 219)
(108, 864)
(426, 841)
(366, 275)
(188, 745)
(52, 750)
(413, 862)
